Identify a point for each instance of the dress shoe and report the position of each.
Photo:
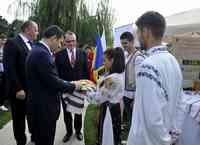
(66, 138)
(79, 136)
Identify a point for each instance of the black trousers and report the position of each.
(2, 88)
(19, 112)
(68, 120)
(44, 129)
(128, 108)
(116, 121)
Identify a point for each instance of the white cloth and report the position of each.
(112, 89)
(190, 132)
(107, 129)
(133, 59)
(191, 128)
(74, 102)
(26, 41)
(191, 105)
(159, 87)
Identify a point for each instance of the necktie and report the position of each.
(72, 58)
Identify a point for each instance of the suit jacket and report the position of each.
(14, 57)
(69, 73)
(44, 84)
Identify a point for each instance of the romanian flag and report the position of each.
(98, 68)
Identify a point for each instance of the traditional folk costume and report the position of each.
(132, 62)
(159, 86)
(109, 93)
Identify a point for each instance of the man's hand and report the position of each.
(77, 84)
(20, 95)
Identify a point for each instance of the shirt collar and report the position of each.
(42, 42)
(24, 38)
(156, 49)
(69, 50)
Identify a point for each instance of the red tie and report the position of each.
(72, 58)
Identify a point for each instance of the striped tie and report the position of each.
(72, 58)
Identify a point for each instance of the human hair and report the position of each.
(127, 35)
(53, 30)
(70, 33)
(153, 21)
(26, 24)
(117, 54)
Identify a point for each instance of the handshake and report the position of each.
(77, 84)
(84, 85)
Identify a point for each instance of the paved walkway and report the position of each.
(6, 134)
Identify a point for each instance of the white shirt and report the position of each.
(112, 89)
(42, 42)
(26, 41)
(135, 60)
(1, 60)
(158, 91)
(70, 53)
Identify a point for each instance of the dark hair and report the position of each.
(127, 35)
(26, 24)
(117, 54)
(154, 21)
(53, 30)
(70, 33)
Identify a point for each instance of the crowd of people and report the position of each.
(147, 81)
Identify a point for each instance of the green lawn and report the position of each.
(4, 118)
(90, 125)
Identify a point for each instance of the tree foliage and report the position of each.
(3, 25)
(71, 15)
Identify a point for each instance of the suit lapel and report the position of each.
(66, 59)
(22, 43)
(77, 57)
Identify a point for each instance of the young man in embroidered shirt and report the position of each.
(159, 86)
(133, 58)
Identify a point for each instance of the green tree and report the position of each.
(14, 28)
(3, 25)
(71, 15)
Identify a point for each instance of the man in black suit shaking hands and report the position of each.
(45, 86)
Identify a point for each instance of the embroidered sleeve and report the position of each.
(150, 72)
(153, 100)
(107, 89)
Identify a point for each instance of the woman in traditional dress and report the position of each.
(110, 91)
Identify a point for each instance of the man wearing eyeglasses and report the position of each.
(72, 65)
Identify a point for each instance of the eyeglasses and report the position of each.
(69, 41)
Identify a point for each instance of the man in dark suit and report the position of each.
(15, 53)
(71, 63)
(45, 86)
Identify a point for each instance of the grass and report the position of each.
(4, 118)
(90, 125)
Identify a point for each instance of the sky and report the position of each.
(127, 11)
